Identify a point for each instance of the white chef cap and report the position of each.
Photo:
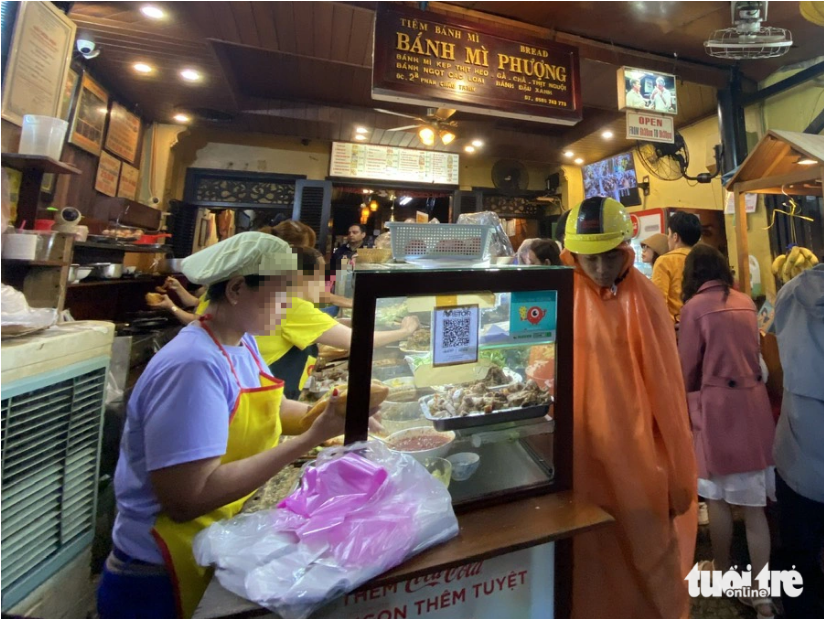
(247, 253)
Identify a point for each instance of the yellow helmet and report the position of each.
(596, 226)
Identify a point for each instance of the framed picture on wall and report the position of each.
(66, 101)
(123, 134)
(108, 174)
(36, 73)
(129, 176)
(89, 123)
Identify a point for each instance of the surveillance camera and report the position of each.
(87, 49)
(84, 46)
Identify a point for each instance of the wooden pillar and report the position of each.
(742, 241)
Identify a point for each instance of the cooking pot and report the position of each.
(107, 270)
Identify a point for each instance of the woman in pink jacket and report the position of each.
(732, 425)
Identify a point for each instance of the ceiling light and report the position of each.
(181, 118)
(362, 130)
(469, 148)
(477, 143)
(373, 205)
(806, 162)
(142, 67)
(405, 200)
(360, 137)
(447, 137)
(427, 135)
(607, 135)
(153, 12)
(568, 154)
(579, 161)
(190, 75)
(365, 191)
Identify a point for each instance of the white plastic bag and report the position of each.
(360, 511)
(500, 244)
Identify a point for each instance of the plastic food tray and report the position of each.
(481, 419)
(431, 241)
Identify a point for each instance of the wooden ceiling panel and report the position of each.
(669, 29)
(284, 18)
(265, 25)
(360, 42)
(324, 26)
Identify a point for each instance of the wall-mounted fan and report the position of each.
(510, 176)
(668, 162)
(436, 124)
(749, 40)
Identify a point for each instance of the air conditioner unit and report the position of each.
(51, 414)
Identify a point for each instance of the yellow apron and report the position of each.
(254, 426)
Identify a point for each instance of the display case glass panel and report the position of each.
(477, 384)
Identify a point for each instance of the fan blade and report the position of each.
(398, 114)
(443, 113)
(406, 128)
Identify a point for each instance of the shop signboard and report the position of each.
(640, 89)
(437, 60)
(519, 584)
(650, 127)
(388, 163)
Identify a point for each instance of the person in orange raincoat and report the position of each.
(633, 452)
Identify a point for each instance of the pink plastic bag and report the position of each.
(359, 511)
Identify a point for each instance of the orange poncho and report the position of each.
(633, 452)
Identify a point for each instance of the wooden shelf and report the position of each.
(37, 263)
(123, 248)
(117, 282)
(27, 163)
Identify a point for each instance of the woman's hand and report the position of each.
(410, 324)
(166, 304)
(329, 424)
(172, 284)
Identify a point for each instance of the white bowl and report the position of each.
(77, 273)
(464, 465)
(423, 454)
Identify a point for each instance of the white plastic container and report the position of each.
(20, 245)
(43, 135)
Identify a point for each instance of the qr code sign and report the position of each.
(457, 328)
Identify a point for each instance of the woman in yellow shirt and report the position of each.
(290, 350)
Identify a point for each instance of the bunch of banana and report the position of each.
(787, 266)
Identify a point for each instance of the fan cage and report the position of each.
(731, 44)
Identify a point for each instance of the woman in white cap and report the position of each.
(202, 431)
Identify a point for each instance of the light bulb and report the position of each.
(447, 137)
(427, 136)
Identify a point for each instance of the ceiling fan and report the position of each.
(436, 124)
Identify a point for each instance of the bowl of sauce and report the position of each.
(421, 443)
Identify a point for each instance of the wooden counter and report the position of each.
(484, 533)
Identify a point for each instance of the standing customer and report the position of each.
(799, 440)
(683, 232)
(653, 247)
(355, 239)
(732, 423)
(632, 444)
(543, 252)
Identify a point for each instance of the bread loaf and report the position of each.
(377, 394)
(153, 298)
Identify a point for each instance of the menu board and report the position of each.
(430, 59)
(38, 61)
(388, 163)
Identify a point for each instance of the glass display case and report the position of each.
(481, 393)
